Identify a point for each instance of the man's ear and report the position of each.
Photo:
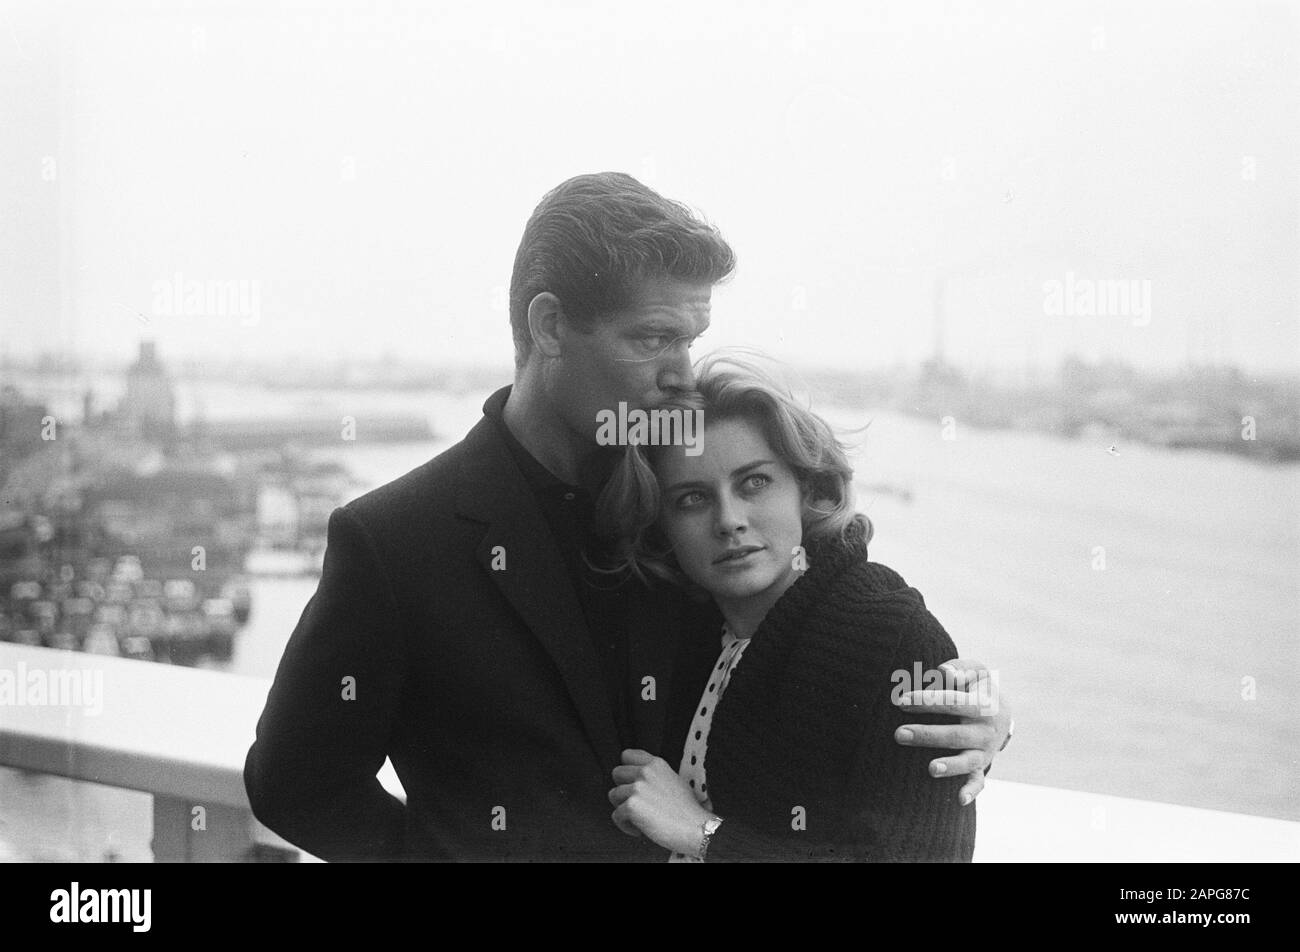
(544, 314)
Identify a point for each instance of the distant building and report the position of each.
(160, 517)
(20, 425)
(149, 406)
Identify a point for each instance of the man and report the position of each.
(459, 628)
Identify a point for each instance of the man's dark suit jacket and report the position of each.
(479, 682)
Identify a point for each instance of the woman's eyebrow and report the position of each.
(696, 483)
(686, 484)
(754, 465)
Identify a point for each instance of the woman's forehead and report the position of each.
(728, 444)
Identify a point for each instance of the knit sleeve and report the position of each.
(895, 811)
(890, 809)
(735, 842)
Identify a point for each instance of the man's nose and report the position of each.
(675, 370)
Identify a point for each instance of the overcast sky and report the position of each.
(368, 174)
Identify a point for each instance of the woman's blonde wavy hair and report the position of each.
(730, 384)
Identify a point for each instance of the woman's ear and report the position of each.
(806, 500)
(816, 505)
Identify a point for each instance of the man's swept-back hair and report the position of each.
(731, 385)
(595, 239)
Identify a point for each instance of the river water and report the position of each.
(1141, 606)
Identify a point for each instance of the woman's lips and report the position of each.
(737, 555)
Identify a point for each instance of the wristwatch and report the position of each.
(709, 827)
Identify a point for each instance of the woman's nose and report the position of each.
(730, 516)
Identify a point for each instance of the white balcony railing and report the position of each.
(181, 734)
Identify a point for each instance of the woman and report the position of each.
(790, 754)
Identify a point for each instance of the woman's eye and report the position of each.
(687, 500)
(757, 480)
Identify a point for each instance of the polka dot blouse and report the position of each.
(697, 741)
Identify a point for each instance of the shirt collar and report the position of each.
(593, 472)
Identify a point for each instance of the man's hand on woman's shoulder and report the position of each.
(971, 693)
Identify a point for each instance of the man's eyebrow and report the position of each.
(668, 325)
(673, 309)
(738, 471)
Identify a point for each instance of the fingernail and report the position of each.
(905, 735)
(940, 769)
(966, 799)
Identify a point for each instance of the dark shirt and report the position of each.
(570, 512)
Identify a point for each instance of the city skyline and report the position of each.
(349, 185)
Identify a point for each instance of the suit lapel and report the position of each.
(519, 554)
(675, 641)
(653, 627)
(697, 646)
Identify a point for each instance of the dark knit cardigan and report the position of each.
(804, 734)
